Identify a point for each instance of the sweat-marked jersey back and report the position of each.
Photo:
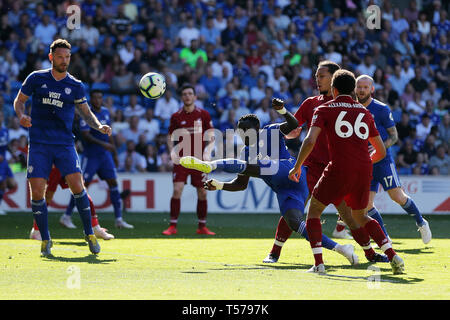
(348, 126)
(52, 106)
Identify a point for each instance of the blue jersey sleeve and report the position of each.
(387, 119)
(29, 84)
(80, 95)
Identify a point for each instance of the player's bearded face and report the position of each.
(363, 93)
(60, 59)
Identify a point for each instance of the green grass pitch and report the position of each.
(143, 264)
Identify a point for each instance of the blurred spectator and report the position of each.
(120, 25)
(418, 82)
(133, 132)
(263, 111)
(149, 125)
(367, 67)
(191, 54)
(189, 33)
(120, 123)
(45, 31)
(406, 157)
(416, 106)
(130, 160)
(166, 106)
(444, 128)
(151, 159)
(134, 108)
(123, 81)
(15, 131)
(126, 53)
(219, 65)
(440, 163)
(420, 167)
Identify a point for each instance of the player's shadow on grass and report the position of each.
(90, 258)
(416, 250)
(72, 243)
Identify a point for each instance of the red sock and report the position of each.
(283, 233)
(174, 211)
(202, 211)
(376, 233)
(314, 229)
(35, 226)
(340, 225)
(94, 218)
(363, 239)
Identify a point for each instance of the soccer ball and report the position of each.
(152, 85)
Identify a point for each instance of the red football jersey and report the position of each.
(196, 123)
(348, 125)
(304, 114)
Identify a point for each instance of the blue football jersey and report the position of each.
(4, 139)
(383, 120)
(270, 146)
(52, 106)
(92, 149)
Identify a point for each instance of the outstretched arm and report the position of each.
(291, 122)
(86, 114)
(237, 184)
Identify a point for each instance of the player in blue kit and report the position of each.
(265, 156)
(99, 158)
(6, 175)
(384, 172)
(56, 95)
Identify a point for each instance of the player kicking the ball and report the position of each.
(265, 156)
(349, 127)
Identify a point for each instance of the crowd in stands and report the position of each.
(238, 54)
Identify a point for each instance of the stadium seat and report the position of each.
(102, 86)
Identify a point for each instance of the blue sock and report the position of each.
(40, 215)
(327, 243)
(116, 201)
(411, 208)
(70, 206)
(374, 214)
(84, 209)
(230, 165)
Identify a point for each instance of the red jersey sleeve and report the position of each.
(319, 118)
(173, 123)
(300, 113)
(207, 122)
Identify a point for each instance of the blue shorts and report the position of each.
(41, 157)
(384, 173)
(290, 194)
(5, 171)
(102, 165)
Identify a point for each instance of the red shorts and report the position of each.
(180, 174)
(313, 174)
(54, 179)
(352, 187)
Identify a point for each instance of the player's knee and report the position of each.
(293, 218)
(201, 193)
(111, 183)
(11, 184)
(398, 196)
